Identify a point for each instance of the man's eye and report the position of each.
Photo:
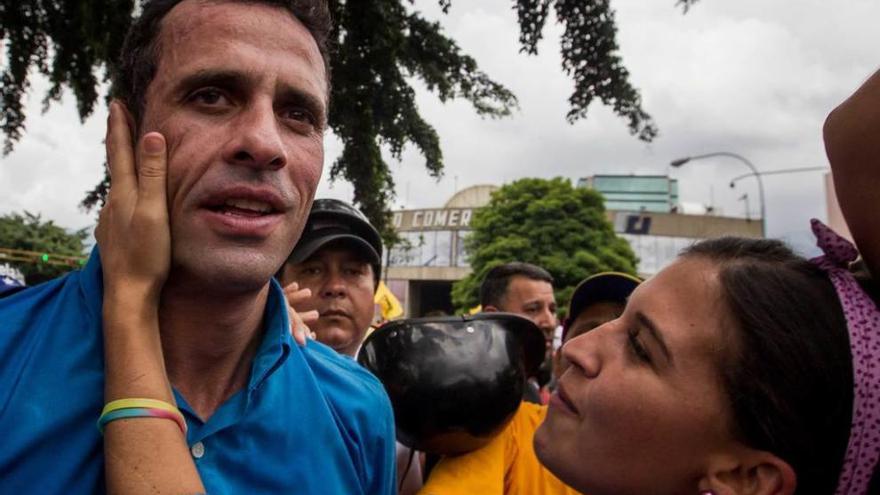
(357, 270)
(299, 115)
(210, 97)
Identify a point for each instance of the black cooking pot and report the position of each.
(454, 382)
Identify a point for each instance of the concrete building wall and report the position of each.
(678, 225)
(472, 197)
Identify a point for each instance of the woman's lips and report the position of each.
(559, 399)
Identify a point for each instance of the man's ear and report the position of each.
(490, 309)
(749, 472)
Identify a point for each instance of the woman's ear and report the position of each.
(749, 472)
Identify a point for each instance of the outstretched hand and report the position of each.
(133, 233)
(299, 321)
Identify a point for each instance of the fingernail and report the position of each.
(154, 143)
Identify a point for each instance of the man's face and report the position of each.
(533, 299)
(342, 291)
(240, 96)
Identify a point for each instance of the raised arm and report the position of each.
(852, 141)
(143, 455)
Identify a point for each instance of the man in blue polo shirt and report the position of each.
(239, 91)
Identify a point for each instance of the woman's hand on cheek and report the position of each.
(133, 232)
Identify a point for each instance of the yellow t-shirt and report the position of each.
(505, 466)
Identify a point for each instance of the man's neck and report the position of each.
(209, 341)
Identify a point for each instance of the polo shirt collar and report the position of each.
(91, 283)
(274, 348)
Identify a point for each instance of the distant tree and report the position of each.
(30, 233)
(546, 222)
(380, 47)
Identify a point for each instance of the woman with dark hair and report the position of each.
(739, 369)
(732, 366)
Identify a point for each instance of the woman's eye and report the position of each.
(636, 346)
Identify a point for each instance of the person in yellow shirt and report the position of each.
(508, 465)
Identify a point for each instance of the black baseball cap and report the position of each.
(601, 287)
(332, 220)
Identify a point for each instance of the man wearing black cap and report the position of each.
(339, 259)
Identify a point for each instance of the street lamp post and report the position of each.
(734, 180)
(681, 161)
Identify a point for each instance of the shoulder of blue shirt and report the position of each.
(345, 371)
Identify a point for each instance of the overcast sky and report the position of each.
(754, 77)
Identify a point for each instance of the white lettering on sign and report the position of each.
(466, 218)
(432, 219)
(453, 218)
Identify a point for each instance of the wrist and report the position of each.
(132, 289)
(131, 298)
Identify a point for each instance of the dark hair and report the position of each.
(494, 286)
(788, 369)
(139, 57)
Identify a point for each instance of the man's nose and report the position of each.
(334, 285)
(547, 321)
(256, 139)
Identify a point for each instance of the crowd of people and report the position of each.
(212, 331)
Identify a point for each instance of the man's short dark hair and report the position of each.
(139, 57)
(494, 287)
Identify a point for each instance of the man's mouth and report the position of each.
(244, 207)
(245, 211)
(245, 201)
(334, 312)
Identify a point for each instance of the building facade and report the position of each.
(422, 270)
(656, 193)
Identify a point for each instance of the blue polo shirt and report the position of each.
(309, 421)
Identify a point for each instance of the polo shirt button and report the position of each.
(198, 450)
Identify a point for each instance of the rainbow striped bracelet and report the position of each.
(140, 408)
